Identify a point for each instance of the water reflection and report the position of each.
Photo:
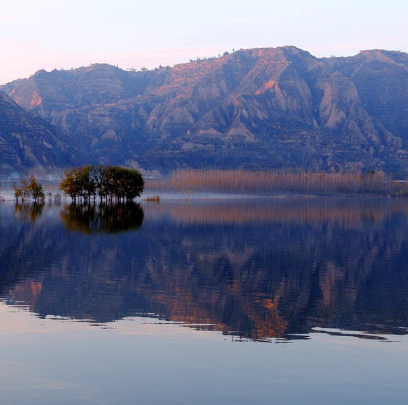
(102, 218)
(258, 270)
(29, 211)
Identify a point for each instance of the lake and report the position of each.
(197, 300)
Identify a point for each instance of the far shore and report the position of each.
(160, 196)
(240, 184)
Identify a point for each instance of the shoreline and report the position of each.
(215, 195)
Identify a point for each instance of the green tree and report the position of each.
(68, 185)
(18, 191)
(35, 189)
(110, 183)
(28, 187)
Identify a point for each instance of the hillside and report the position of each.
(29, 141)
(254, 109)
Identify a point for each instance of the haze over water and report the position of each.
(261, 301)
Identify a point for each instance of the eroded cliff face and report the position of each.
(29, 141)
(381, 79)
(256, 108)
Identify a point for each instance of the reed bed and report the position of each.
(276, 182)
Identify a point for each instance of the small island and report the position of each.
(83, 184)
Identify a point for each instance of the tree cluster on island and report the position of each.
(111, 183)
(28, 188)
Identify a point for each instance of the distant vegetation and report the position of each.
(209, 58)
(269, 182)
(110, 183)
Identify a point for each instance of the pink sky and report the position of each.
(49, 34)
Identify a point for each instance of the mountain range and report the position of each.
(267, 108)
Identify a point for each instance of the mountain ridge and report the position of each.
(260, 108)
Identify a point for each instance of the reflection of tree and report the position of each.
(29, 211)
(102, 218)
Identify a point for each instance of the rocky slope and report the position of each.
(256, 108)
(381, 78)
(29, 141)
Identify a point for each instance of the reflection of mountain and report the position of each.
(102, 218)
(256, 279)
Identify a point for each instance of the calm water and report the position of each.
(244, 301)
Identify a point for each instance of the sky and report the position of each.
(55, 34)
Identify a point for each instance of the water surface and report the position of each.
(244, 301)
